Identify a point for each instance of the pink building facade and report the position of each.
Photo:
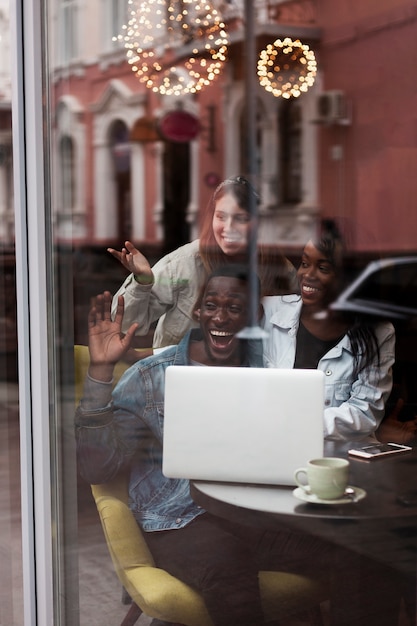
(368, 51)
(344, 150)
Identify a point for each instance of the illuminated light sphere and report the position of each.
(158, 31)
(287, 68)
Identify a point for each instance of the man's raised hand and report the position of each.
(107, 344)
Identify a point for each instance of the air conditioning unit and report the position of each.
(332, 108)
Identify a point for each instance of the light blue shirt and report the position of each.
(354, 407)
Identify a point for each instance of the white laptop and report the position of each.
(241, 424)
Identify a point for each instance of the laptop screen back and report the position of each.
(241, 424)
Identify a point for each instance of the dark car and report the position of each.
(386, 288)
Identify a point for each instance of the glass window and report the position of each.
(11, 582)
(290, 152)
(69, 30)
(121, 152)
(67, 160)
(113, 19)
(11, 578)
(85, 183)
(243, 164)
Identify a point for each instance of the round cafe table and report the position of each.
(383, 524)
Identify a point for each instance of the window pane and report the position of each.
(11, 583)
(117, 174)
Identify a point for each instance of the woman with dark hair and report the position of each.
(168, 291)
(355, 352)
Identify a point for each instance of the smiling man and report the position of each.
(222, 311)
(123, 428)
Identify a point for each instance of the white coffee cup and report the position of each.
(326, 478)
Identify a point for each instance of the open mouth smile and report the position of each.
(221, 338)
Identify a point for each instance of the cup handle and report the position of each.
(303, 485)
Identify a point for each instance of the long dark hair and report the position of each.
(364, 343)
(273, 267)
(361, 333)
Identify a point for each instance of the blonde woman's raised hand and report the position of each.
(135, 262)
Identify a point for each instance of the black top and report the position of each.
(310, 349)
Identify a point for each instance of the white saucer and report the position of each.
(312, 498)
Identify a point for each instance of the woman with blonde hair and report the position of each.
(167, 292)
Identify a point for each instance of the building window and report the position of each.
(67, 160)
(121, 153)
(290, 152)
(69, 30)
(244, 157)
(114, 17)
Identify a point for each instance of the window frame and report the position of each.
(31, 293)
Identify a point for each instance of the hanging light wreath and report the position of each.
(287, 68)
(158, 28)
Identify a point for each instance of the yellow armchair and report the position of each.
(158, 594)
(153, 590)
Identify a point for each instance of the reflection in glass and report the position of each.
(67, 172)
(11, 593)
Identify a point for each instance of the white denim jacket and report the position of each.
(171, 298)
(353, 408)
(178, 278)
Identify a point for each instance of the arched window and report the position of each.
(119, 141)
(121, 153)
(67, 173)
(244, 167)
(290, 147)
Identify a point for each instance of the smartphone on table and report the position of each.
(379, 450)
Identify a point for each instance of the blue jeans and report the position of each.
(222, 559)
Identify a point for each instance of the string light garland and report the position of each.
(157, 28)
(287, 68)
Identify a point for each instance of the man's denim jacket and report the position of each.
(125, 430)
(127, 433)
